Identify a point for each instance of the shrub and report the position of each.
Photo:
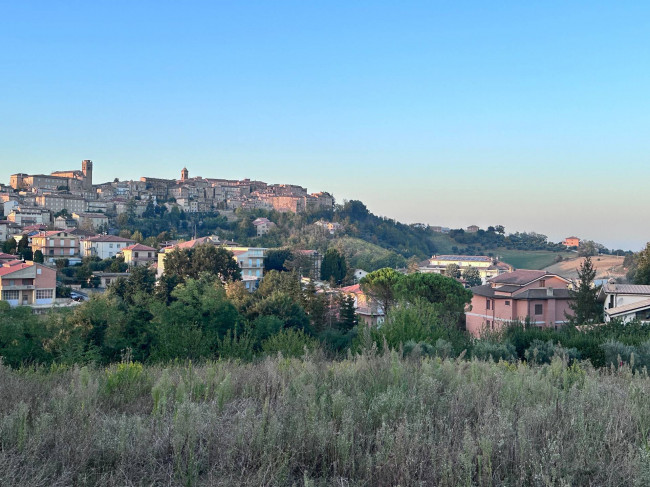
(289, 342)
(541, 352)
(485, 350)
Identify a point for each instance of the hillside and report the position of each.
(529, 259)
(606, 266)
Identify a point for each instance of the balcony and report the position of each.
(19, 287)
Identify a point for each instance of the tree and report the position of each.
(584, 304)
(9, 246)
(275, 258)
(453, 271)
(472, 277)
(300, 263)
(333, 266)
(23, 244)
(38, 257)
(447, 294)
(137, 236)
(587, 248)
(348, 319)
(191, 263)
(214, 260)
(380, 286)
(642, 263)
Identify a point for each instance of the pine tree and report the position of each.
(584, 304)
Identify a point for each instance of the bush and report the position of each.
(289, 342)
(541, 352)
(485, 350)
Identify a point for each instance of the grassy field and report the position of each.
(371, 420)
(530, 259)
(606, 266)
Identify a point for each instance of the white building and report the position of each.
(625, 301)
(104, 246)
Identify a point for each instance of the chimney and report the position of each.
(549, 292)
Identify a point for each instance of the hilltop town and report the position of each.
(39, 199)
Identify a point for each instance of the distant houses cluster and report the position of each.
(64, 216)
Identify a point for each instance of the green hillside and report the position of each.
(529, 259)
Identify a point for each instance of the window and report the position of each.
(487, 304)
(72, 251)
(135, 254)
(38, 271)
(539, 309)
(27, 282)
(507, 303)
(62, 243)
(542, 283)
(110, 246)
(44, 294)
(7, 295)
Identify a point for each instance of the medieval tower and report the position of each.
(87, 169)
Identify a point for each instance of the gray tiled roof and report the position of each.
(614, 288)
(628, 307)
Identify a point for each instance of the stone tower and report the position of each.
(184, 174)
(87, 169)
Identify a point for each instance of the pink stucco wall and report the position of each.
(46, 279)
(518, 309)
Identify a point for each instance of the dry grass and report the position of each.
(606, 266)
(371, 420)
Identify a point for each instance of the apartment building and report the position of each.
(104, 246)
(58, 202)
(27, 284)
(539, 297)
(56, 244)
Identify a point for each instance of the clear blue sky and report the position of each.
(533, 115)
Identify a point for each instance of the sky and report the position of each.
(533, 115)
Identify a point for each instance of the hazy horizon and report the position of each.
(527, 115)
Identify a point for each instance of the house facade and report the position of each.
(56, 244)
(539, 297)
(27, 284)
(104, 246)
(625, 302)
(487, 266)
(138, 255)
(571, 242)
(367, 309)
(263, 226)
(90, 220)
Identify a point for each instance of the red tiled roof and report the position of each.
(13, 266)
(356, 289)
(4, 256)
(49, 233)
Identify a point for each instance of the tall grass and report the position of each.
(373, 419)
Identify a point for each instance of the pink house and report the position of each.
(27, 284)
(541, 297)
(368, 310)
